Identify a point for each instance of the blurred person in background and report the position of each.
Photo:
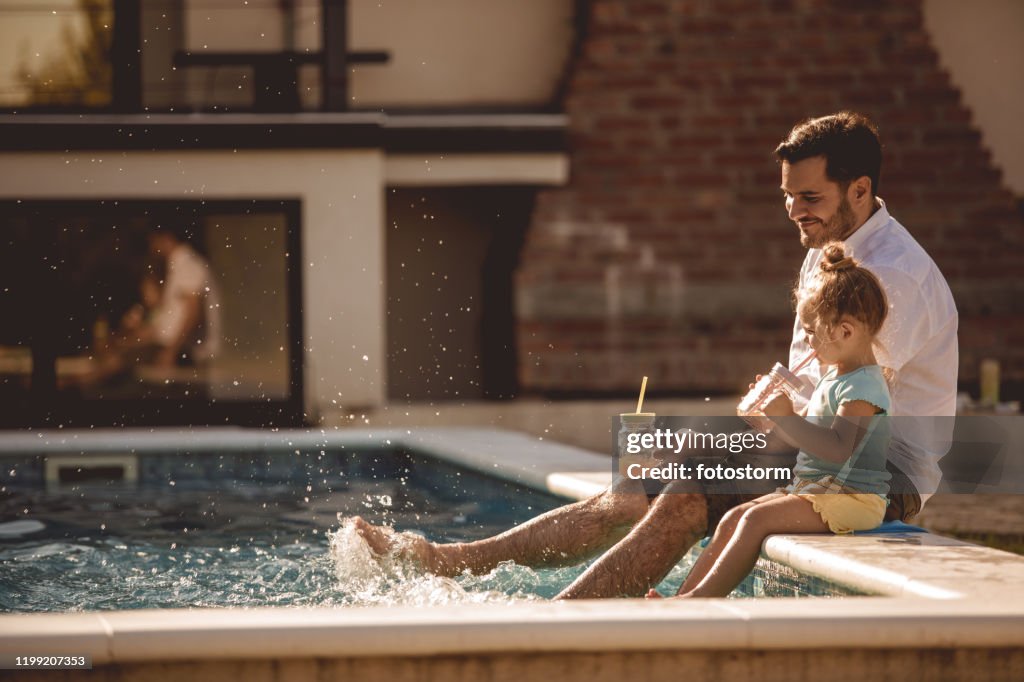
(176, 322)
(185, 323)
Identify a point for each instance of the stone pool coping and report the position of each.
(940, 592)
(624, 624)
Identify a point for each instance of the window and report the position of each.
(94, 292)
(56, 53)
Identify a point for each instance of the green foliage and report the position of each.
(79, 72)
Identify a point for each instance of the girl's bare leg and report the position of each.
(781, 515)
(724, 532)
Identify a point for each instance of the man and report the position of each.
(830, 173)
(186, 321)
(831, 199)
(178, 321)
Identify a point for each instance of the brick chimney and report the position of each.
(669, 252)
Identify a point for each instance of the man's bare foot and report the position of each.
(386, 543)
(379, 540)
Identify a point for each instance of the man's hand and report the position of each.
(133, 319)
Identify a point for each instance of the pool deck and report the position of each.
(939, 594)
(622, 624)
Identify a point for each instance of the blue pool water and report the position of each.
(205, 529)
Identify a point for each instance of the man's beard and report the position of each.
(836, 228)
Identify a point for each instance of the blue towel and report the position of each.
(892, 527)
(886, 527)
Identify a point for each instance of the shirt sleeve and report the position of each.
(192, 275)
(908, 326)
(869, 387)
(798, 347)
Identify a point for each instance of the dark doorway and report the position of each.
(451, 255)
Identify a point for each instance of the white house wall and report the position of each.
(460, 52)
(432, 170)
(342, 236)
(979, 43)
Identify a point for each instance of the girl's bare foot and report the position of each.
(653, 594)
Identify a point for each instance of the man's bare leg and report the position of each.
(560, 537)
(644, 557)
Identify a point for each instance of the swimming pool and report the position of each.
(212, 528)
(950, 608)
(241, 529)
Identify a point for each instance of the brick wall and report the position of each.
(669, 252)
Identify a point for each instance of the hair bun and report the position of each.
(834, 259)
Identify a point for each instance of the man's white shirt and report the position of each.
(918, 341)
(188, 274)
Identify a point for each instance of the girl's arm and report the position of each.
(835, 443)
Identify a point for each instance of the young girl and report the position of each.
(840, 476)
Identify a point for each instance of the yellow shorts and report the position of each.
(841, 508)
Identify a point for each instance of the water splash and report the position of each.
(396, 578)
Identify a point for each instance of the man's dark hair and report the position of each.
(848, 141)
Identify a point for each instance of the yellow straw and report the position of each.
(643, 389)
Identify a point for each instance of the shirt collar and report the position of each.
(877, 221)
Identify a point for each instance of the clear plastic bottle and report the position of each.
(780, 379)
